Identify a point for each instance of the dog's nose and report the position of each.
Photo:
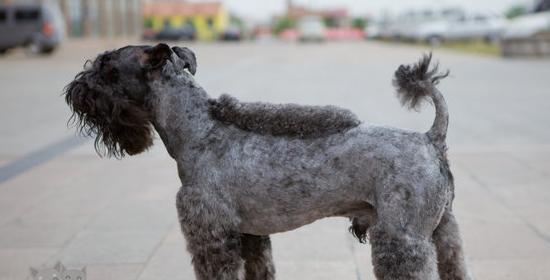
(187, 56)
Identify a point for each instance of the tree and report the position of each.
(359, 23)
(282, 24)
(516, 11)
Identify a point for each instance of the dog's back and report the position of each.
(290, 120)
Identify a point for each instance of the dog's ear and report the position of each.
(158, 55)
(102, 109)
(188, 57)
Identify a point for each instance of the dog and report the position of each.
(249, 170)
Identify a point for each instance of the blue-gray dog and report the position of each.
(252, 169)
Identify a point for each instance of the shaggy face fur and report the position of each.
(251, 169)
(110, 99)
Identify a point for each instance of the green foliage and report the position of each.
(148, 22)
(475, 47)
(359, 22)
(329, 22)
(282, 24)
(516, 11)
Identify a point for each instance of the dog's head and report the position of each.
(112, 98)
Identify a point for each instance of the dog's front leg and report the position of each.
(256, 252)
(209, 227)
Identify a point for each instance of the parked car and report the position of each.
(528, 25)
(231, 33)
(405, 26)
(169, 33)
(38, 27)
(311, 28)
(469, 27)
(374, 30)
(527, 35)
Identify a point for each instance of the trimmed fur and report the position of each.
(416, 82)
(296, 166)
(290, 120)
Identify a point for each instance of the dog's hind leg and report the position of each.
(401, 238)
(212, 236)
(450, 256)
(400, 255)
(256, 252)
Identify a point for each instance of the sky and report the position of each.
(263, 9)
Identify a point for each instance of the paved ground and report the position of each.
(59, 201)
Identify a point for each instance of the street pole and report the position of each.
(116, 17)
(102, 17)
(65, 13)
(85, 18)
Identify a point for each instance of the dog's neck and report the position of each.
(180, 116)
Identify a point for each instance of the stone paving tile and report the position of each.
(513, 269)
(133, 214)
(16, 235)
(492, 240)
(315, 270)
(114, 272)
(20, 193)
(538, 160)
(362, 258)
(15, 264)
(320, 250)
(473, 202)
(498, 170)
(524, 200)
(48, 212)
(171, 261)
(528, 200)
(50, 189)
(111, 247)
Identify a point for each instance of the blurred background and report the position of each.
(60, 202)
(507, 27)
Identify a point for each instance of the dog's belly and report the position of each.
(264, 215)
(270, 224)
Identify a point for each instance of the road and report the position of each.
(60, 201)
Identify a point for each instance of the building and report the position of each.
(337, 17)
(209, 19)
(95, 18)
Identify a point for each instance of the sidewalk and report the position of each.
(118, 218)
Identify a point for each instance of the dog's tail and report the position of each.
(414, 83)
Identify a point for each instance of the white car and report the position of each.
(485, 27)
(528, 25)
(377, 29)
(406, 25)
(311, 29)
